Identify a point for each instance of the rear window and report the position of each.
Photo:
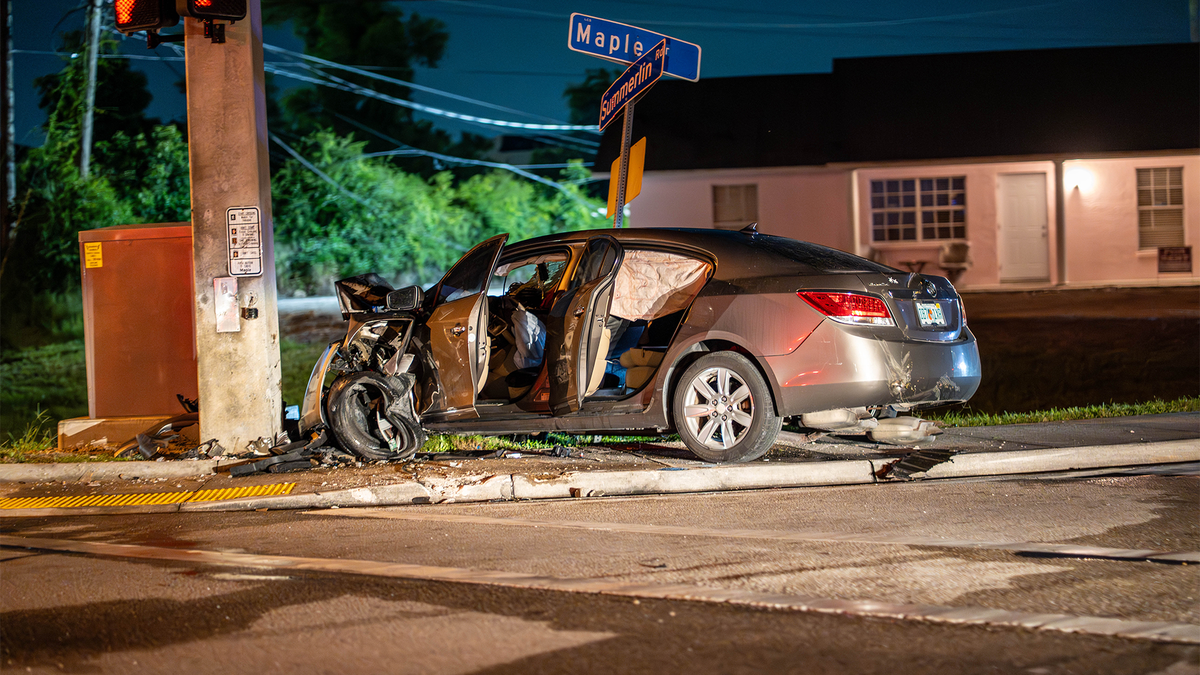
(821, 259)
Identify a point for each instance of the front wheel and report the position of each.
(372, 416)
(723, 411)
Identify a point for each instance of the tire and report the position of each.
(745, 430)
(355, 400)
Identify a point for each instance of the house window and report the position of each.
(919, 209)
(734, 206)
(1160, 207)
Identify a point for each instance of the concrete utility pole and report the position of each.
(238, 352)
(89, 104)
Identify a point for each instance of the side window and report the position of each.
(471, 273)
(529, 279)
(597, 260)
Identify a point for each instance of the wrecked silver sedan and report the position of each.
(717, 335)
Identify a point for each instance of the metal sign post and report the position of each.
(626, 136)
(623, 94)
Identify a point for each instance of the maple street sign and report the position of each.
(623, 43)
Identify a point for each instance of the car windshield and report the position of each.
(821, 259)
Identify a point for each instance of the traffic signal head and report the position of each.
(209, 10)
(148, 15)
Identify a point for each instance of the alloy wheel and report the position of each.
(718, 408)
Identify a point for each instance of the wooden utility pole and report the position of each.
(236, 320)
(8, 119)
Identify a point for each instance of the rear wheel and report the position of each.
(371, 415)
(723, 411)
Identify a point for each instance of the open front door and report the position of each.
(577, 340)
(458, 338)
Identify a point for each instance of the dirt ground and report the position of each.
(1040, 349)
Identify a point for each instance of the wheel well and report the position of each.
(707, 347)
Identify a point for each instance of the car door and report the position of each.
(575, 344)
(457, 324)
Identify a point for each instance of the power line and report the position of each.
(74, 55)
(403, 149)
(321, 174)
(404, 83)
(773, 26)
(346, 85)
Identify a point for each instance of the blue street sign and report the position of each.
(634, 82)
(623, 43)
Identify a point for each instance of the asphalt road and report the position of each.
(812, 580)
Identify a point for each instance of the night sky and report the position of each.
(513, 52)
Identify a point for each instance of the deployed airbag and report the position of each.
(651, 284)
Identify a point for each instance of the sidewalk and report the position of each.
(593, 471)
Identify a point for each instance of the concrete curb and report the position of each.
(381, 495)
(1066, 459)
(508, 487)
(716, 479)
(79, 471)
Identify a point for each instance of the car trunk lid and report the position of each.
(924, 307)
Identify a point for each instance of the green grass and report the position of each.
(39, 436)
(969, 418)
(296, 360)
(49, 380)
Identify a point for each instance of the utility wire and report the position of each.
(345, 85)
(772, 26)
(371, 93)
(404, 83)
(321, 174)
(405, 150)
(73, 55)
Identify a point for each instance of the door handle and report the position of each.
(579, 311)
(458, 330)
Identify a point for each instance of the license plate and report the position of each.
(930, 314)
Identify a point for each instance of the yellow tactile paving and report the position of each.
(145, 498)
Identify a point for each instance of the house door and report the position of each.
(1023, 227)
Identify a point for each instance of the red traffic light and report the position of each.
(209, 10)
(149, 15)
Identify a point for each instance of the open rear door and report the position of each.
(577, 340)
(458, 338)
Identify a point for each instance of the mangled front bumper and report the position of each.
(839, 368)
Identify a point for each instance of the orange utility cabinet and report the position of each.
(138, 324)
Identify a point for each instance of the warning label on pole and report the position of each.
(245, 242)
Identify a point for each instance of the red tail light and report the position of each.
(850, 308)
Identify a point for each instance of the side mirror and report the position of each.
(405, 299)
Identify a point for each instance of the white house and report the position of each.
(1070, 167)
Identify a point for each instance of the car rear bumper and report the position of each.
(834, 368)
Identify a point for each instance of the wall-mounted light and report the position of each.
(1079, 178)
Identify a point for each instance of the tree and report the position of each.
(140, 174)
(370, 216)
(121, 93)
(377, 36)
(584, 98)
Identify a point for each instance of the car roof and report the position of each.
(738, 254)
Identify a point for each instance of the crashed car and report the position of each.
(716, 335)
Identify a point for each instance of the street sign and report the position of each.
(635, 81)
(623, 43)
(633, 176)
